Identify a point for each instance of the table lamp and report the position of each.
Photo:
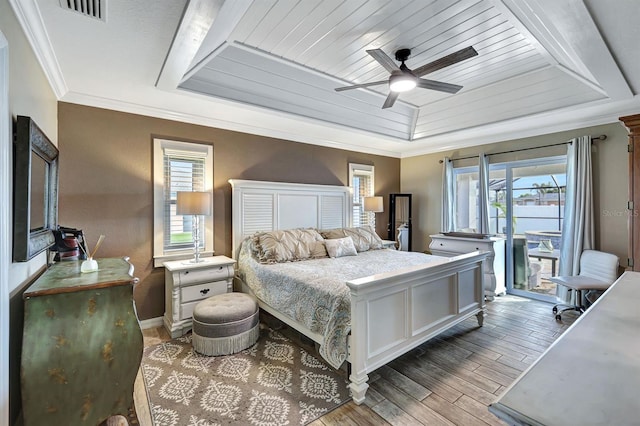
(198, 204)
(373, 204)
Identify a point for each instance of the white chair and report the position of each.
(598, 270)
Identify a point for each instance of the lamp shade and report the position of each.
(193, 203)
(373, 204)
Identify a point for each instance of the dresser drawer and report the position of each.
(458, 247)
(202, 291)
(204, 275)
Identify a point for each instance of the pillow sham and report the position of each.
(364, 237)
(339, 247)
(288, 245)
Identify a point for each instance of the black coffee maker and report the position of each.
(68, 244)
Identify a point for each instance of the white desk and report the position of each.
(591, 374)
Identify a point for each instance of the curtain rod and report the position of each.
(598, 138)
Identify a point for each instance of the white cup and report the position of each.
(89, 265)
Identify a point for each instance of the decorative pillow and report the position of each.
(339, 247)
(364, 237)
(288, 245)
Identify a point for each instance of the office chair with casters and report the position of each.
(598, 270)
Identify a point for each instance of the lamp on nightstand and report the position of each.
(373, 204)
(198, 204)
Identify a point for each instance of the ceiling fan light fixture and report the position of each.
(402, 83)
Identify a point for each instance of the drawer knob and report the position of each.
(204, 291)
(186, 272)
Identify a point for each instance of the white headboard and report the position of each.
(269, 206)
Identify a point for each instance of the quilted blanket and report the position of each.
(314, 292)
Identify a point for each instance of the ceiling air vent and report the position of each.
(91, 8)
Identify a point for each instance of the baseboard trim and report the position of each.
(151, 323)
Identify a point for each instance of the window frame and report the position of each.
(356, 169)
(159, 146)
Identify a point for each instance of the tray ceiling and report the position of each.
(270, 66)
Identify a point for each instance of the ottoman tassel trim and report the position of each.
(215, 346)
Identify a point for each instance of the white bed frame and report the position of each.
(391, 313)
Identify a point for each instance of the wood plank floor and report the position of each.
(451, 379)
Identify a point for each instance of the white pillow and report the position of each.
(339, 247)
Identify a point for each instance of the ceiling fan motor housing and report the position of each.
(403, 54)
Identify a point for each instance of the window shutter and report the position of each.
(362, 184)
(183, 171)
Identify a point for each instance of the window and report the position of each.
(361, 180)
(179, 166)
(533, 189)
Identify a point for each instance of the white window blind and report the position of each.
(183, 171)
(362, 183)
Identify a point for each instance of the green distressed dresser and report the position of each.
(82, 345)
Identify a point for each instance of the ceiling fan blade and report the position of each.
(358, 86)
(391, 99)
(437, 85)
(383, 59)
(445, 61)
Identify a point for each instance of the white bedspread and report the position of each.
(314, 292)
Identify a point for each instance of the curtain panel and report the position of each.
(578, 226)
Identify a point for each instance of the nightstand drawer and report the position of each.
(204, 275)
(202, 291)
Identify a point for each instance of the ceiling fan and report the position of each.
(403, 79)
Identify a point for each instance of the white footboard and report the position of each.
(395, 312)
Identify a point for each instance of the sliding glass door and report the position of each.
(527, 208)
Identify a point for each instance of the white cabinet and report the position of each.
(494, 267)
(188, 283)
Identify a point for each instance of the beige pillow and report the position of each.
(339, 247)
(364, 237)
(288, 245)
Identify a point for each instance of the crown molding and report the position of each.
(297, 129)
(28, 14)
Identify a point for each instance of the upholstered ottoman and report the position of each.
(225, 324)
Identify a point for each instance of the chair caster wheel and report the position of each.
(555, 310)
(558, 317)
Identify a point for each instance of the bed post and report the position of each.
(357, 350)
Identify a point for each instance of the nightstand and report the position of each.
(389, 244)
(185, 284)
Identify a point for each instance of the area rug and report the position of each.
(274, 382)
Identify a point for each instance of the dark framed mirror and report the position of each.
(399, 228)
(35, 190)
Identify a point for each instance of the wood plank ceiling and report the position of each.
(290, 55)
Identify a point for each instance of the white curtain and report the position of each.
(578, 225)
(448, 196)
(483, 196)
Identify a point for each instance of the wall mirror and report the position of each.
(35, 190)
(399, 228)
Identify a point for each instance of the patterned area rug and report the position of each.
(274, 382)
